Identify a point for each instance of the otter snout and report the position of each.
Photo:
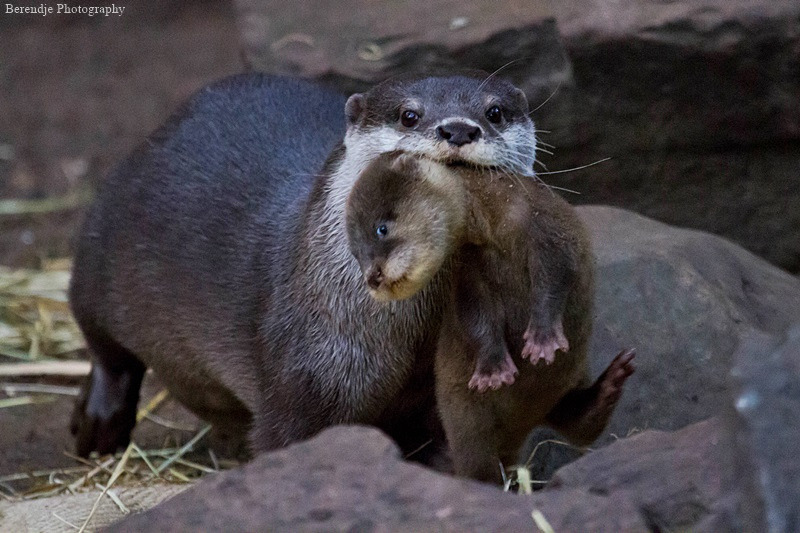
(459, 133)
(375, 277)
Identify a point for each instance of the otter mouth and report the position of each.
(460, 162)
(401, 288)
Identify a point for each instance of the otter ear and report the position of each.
(405, 164)
(354, 108)
(520, 99)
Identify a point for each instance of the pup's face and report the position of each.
(481, 121)
(400, 226)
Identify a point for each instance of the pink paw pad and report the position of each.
(492, 377)
(542, 346)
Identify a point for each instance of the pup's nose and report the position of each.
(458, 133)
(375, 277)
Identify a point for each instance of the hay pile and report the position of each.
(41, 343)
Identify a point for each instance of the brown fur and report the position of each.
(526, 233)
(524, 255)
(217, 256)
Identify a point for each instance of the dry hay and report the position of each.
(39, 337)
(35, 321)
(103, 489)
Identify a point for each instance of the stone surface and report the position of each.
(352, 479)
(686, 300)
(765, 420)
(675, 479)
(359, 42)
(707, 73)
(696, 102)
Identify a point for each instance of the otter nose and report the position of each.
(458, 133)
(375, 277)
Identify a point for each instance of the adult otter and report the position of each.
(524, 264)
(217, 255)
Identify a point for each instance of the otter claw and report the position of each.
(493, 376)
(542, 346)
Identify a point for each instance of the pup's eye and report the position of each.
(409, 118)
(494, 114)
(382, 231)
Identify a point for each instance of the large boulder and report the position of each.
(353, 479)
(687, 301)
(359, 43)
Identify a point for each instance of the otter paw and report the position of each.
(611, 381)
(541, 345)
(492, 375)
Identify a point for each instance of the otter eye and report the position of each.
(382, 230)
(494, 114)
(409, 118)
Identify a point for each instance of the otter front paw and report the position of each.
(493, 375)
(541, 343)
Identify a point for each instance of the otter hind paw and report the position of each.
(541, 344)
(493, 375)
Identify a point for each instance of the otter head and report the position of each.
(472, 119)
(404, 216)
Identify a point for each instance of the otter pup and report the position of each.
(406, 215)
(217, 255)
(524, 263)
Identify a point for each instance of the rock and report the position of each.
(686, 300)
(765, 421)
(359, 42)
(676, 480)
(696, 104)
(741, 194)
(352, 478)
(708, 73)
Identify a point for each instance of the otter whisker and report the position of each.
(541, 143)
(577, 168)
(493, 74)
(547, 99)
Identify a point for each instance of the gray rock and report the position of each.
(676, 480)
(359, 43)
(700, 73)
(352, 479)
(686, 300)
(765, 421)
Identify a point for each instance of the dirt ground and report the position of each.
(77, 94)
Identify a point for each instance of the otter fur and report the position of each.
(216, 254)
(523, 278)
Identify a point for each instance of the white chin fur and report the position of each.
(516, 152)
